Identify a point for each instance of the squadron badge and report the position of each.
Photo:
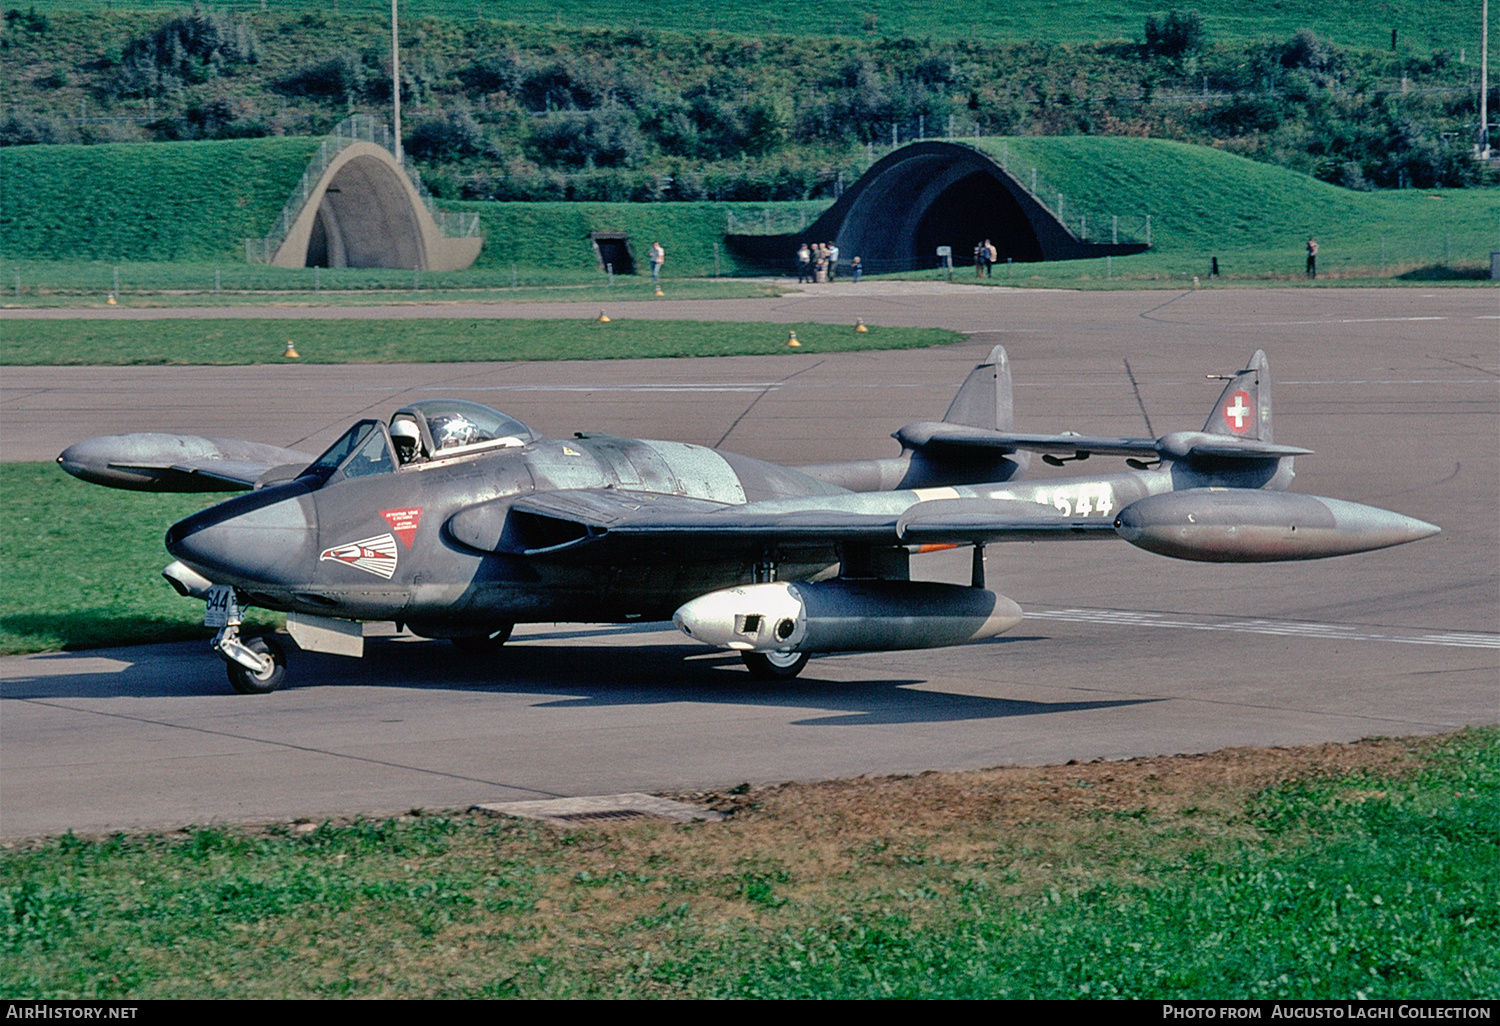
(372, 555)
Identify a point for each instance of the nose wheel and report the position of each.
(264, 681)
(774, 665)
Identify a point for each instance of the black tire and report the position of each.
(246, 681)
(479, 644)
(774, 665)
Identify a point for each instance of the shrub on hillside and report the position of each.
(495, 73)
(1319, 58)
(456, 134)
(34, 130)
(596, 138)
(187, 50)
(340, 77)
(1176, 34)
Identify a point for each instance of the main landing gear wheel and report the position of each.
(247, 681)
(774, 665)
(479, 644)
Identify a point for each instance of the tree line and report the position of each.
(498, 111)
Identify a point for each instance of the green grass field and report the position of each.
(1335, 872)
(83, 565)
(1421, 26)
(436, 340)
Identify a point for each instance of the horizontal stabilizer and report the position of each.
(939, 437)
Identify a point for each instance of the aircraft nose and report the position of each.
(269, 537)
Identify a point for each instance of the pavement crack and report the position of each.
(290, 746)
(761, 395)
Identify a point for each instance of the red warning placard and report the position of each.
(404, 522)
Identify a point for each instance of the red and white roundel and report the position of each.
(1239, 412)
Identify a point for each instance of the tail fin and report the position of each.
(983, 400)
(1244, 409)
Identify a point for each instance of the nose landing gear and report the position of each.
(249, 681)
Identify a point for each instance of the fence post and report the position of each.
(1148, 229)
(217, 282)
(1033, 181)
(716, 260)
(317, 279)
(117, 282)
(18, 283)
(1114, 230)
(1382, 254)
(515, 281)
(1109, 267)
(767, 212)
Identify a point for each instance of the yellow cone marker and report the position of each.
(859, 326)
(111, 299)
(659, 292)
(291, 352)
(603, 317)
(791, 340)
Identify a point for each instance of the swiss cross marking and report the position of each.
(1239, 412)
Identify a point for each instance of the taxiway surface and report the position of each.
(1123, 653)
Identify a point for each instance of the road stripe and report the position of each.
(1332, 631)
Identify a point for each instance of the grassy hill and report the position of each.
(192, 203)
(1255, 217)
(1421, 25)
(162, 202)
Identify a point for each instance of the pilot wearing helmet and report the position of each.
(408, 440)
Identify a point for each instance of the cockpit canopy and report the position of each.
(422, 432)
(450, 427)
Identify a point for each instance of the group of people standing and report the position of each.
(819, 262)
(985, 255)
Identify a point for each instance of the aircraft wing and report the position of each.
(936, 436)
(151, 462)
(554, 523)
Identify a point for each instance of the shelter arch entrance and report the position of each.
(932, 194)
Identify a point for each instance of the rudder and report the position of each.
(984, 399)
(1244, 407)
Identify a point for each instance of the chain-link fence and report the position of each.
(1437, 257)
(353, 129)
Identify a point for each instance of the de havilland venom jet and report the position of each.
(456, 521)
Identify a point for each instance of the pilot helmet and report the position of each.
(407, 437)
(451, 430)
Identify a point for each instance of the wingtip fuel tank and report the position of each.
(1243, 525)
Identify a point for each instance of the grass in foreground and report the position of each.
(83, 565)
(1334, 871)
(185, 342)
